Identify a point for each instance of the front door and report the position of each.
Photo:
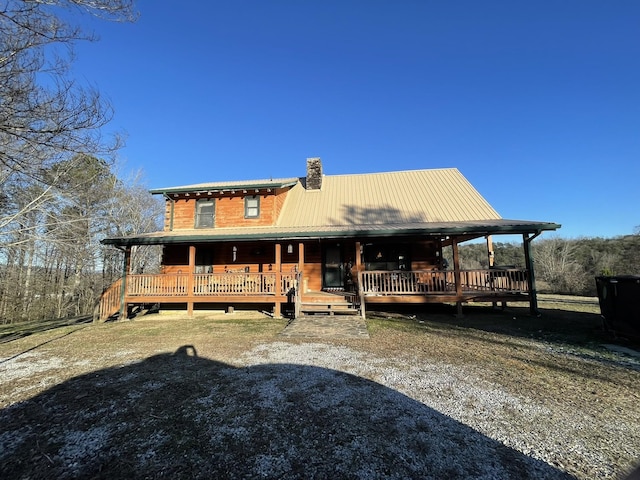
(333, 267)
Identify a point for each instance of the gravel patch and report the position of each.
(461, 395)
(27, 365)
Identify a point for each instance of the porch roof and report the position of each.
(471, 229)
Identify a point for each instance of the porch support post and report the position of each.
(277, 313)
(192, 269)
(531, 279)
(126, 267)
(490, 250)
(491, 257)
(358, 269)
(358, 256)
(301, 288)
(456, 275)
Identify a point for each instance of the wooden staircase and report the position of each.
(110, 302)
(329, 303)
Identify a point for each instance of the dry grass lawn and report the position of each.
(496, 394)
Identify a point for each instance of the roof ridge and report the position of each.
(392, 172)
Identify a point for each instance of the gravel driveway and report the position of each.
(280, 408)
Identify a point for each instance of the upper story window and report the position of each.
(252, 207)
(205, 213)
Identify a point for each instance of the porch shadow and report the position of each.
(578, 334)
(182, 416)
(575, 328)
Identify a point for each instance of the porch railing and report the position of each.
(158, 285)
(491, 282)
(203, 285)
(209, 284)
(443, 281)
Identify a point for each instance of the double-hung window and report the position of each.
(205, 213)
(252, 207)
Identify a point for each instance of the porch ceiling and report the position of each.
(475, 228)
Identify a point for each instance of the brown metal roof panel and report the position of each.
(419, 195)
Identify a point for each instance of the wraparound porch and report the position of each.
(426, 286)
(388, 270)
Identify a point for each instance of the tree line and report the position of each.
(52, 264)
(567, 266)
(59, 188)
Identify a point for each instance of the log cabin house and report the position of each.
(323, 243)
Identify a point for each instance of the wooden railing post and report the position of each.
(361, 292)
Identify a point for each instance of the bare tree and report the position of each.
(132, 211)
(48, 121)
(46, 116)
(556, 264)
(55, 265)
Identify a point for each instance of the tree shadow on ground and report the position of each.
(14, 331)
(577, 328)
(182, 416)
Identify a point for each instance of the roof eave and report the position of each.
(477, 230)
(217, 188)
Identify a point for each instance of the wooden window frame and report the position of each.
(200, 217)
(247, 207)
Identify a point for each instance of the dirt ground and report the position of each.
(495, 394)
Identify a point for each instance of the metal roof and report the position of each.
(418, 202)
(203, 187)
(438, 195)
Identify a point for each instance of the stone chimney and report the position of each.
(314, 173)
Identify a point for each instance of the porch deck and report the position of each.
(425, 286)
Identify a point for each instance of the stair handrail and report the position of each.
(110, 301)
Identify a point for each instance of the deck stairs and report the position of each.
(329, 303)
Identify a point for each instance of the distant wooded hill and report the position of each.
(561, 265)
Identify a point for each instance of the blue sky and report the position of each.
(536, 103)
